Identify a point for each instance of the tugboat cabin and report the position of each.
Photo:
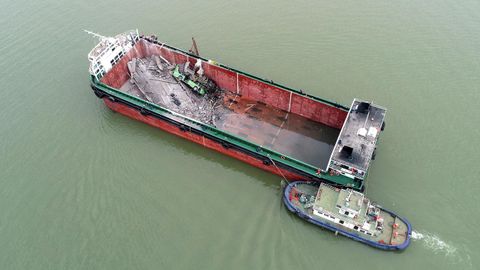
(345, 207)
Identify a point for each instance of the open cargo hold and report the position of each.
(267, 125)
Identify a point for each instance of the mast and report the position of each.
(95, 34)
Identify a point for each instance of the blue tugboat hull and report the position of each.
(302, 214)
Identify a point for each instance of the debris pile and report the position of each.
(175, 87)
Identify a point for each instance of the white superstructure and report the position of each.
(109, 51)
(348, 208)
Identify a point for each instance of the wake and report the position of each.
(438, 246)
(434, 243)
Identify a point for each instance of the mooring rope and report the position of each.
(273, 162)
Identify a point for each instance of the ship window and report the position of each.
(341, 222)
(355, 227)
(346, 213)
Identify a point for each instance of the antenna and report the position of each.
(95, 35)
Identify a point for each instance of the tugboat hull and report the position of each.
(287, 199)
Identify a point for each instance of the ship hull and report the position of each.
(262, 91)
(185, 132)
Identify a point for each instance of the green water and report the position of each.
(82, 187)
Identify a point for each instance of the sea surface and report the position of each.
(82, 187)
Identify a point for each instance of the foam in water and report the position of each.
(433, 242)
(438, 246)
(417, 235)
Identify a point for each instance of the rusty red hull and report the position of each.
(202, 140)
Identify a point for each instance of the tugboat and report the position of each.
(348, 212)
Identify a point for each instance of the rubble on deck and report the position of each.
(151, 79)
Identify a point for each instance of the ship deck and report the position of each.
(365, 116)
(289, 134)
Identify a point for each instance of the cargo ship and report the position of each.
(270, 126)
